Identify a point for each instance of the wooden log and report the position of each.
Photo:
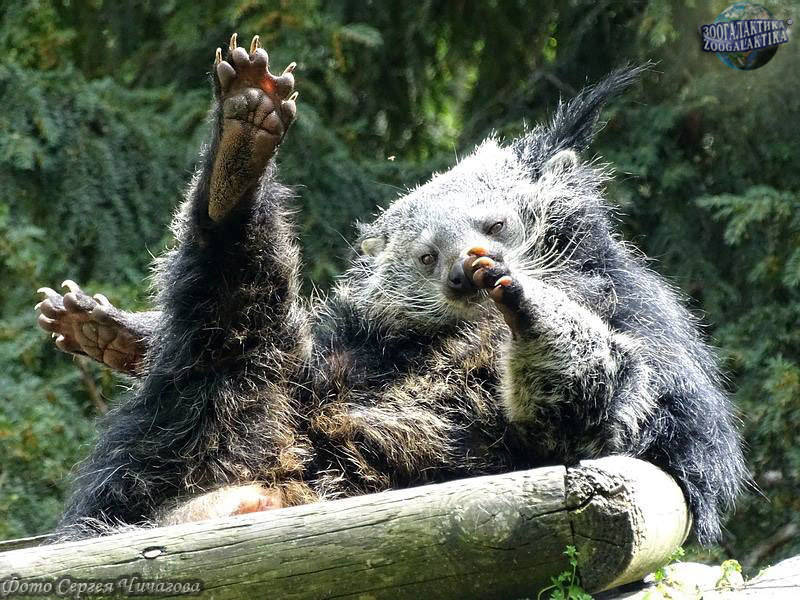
(27, 542)
(627, 518)
(501, 536)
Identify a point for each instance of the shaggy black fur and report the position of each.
(395, 380)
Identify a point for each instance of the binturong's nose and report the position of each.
(457, 279)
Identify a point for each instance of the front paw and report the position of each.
(90, 326)
(490, 273)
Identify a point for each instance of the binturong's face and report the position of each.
(412, 255)
(531, 204)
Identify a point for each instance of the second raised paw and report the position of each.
(490, 273)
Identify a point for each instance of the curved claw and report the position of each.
(477, 251)
(71, 286)
(484, 262)
(47, 291)
(293, 97)
(102, 299)
(233, 43)
(218, 56)
(61, 343)
(290, 68)
(255, 44)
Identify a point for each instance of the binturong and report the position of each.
(603, 358)
(491, 319)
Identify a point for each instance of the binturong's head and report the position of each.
(532, 204)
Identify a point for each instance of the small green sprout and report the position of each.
(567, 585)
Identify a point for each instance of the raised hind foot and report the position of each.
(257, 109)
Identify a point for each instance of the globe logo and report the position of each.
(745, 36)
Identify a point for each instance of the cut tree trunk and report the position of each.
(501, 536)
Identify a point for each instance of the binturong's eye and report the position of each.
(427, 259)
(496, 228)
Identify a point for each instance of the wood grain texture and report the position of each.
(501, 536)
(627, 516)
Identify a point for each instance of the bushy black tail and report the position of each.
(576, 122)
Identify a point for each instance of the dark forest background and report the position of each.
(103, 107)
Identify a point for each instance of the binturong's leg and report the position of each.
(216, 406)
(92, 326)
(256, 110)
(581, 388)
(577, 388)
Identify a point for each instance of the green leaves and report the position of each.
(89, 173)
(758, 206)
(566, 585)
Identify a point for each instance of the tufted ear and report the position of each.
(575, 123)
(372, 246)
(563, 161)
(371, 239)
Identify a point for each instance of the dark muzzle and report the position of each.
(457, 279)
